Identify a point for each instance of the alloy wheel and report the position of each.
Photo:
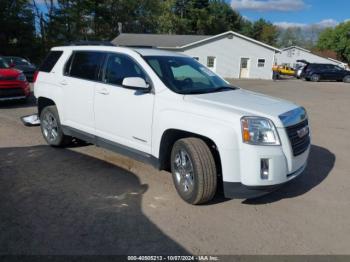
(50, 127)
(184, 173)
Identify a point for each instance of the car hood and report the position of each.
(244, 103)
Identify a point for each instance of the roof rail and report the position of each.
(81, 42)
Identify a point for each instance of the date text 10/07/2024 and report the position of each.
(173, 258)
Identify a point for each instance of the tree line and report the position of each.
(31, 27)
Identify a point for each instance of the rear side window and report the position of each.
(50, 61)
(86, 65)
(314, 67)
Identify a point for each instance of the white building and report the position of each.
(229, 54)
(290, 56)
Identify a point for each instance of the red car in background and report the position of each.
(13, 83)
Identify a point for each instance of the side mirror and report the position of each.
(136, 83)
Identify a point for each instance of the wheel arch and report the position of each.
(170, 136)
(43, 102)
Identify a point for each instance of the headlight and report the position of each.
(21, 77)
(259, 131)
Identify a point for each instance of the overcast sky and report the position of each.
(295, 12)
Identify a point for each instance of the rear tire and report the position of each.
(346, 79)
(194, 171)
(315, 78)
(51, 127)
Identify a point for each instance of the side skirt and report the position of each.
(113, 146)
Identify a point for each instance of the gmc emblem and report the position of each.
(303, 132)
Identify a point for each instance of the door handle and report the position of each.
(103, 91)
(63, 83)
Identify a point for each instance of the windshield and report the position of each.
(3, 64)
(20, 61)
(185, 75)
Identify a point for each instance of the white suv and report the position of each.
(167, 109)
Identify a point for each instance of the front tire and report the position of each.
(346, 79)
(193, 170)
(51, 127)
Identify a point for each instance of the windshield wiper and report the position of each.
(217, 89)
(222, 88)
(195, 92)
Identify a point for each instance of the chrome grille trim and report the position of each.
(299, 144)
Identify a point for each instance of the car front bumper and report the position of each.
(14, 90)
(283, 167)
(240, 191)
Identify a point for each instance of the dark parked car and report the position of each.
(22, 64)
(317, 72)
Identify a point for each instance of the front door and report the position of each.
(244, 70)
(337, 73)
(123, 115)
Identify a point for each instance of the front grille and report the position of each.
(8, 78)
(11, 92)
(299, 144)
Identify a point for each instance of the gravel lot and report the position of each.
(86, 200)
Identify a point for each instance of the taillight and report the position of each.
(35, 76)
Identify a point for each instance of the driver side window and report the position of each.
(118, 67)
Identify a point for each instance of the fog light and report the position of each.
(264, 168)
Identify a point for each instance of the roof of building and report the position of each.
(322, 54)
(297, 47)
(157, 52)
(178, 41)
(156, 40)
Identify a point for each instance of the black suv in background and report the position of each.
(317, 72)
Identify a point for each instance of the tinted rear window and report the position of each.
(50, 61)
(3, 63)
(86, 65)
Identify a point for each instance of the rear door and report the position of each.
(80, 75)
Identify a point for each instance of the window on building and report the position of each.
(211, 61)
(261, 62)
(244, 63)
